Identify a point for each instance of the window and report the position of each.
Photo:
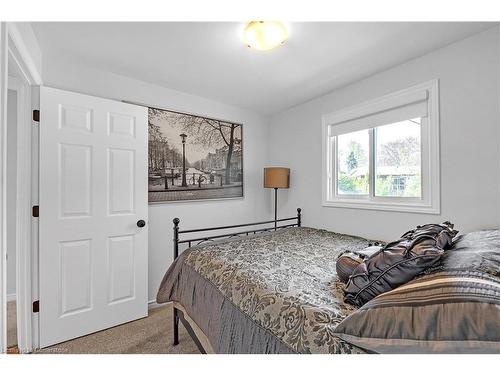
(398, 159)
(353, 163)
(384, 154)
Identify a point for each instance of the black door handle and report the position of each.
(141, 223)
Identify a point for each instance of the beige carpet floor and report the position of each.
(151, 335)
(11, 324)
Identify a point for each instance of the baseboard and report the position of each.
(11, 297)
(154, 305)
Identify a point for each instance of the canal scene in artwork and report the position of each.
(192, 157)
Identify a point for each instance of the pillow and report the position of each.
(474, 251)
(349, 260)
(445, 312)
(398, 262)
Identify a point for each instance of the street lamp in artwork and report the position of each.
(183, 137)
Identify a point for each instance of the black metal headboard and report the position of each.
(199, 240)
(178, 315)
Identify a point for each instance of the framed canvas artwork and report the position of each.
(193, 157)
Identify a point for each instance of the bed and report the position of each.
(275, 290)
(272, 290)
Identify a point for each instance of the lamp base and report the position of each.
(275, 208)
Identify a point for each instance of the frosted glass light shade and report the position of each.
(265, 35)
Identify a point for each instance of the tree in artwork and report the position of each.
(208, 133)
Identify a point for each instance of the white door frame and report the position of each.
(23, 217)
(14, 50)
(3, 186)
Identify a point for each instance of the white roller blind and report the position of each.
(386, 111)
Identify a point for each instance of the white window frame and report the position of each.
(357, 117)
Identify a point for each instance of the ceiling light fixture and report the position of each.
(265, 35)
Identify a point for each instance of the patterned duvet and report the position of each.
(270, 293)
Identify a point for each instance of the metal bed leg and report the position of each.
(176, 326)
(176, 254)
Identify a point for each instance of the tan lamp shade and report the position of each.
(277, 177)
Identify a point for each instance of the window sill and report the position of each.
(419, 208)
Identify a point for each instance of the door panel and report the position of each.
(75, 274)
(93, 190)
(120, 268)
(119, 124)
(76, 179)
(121, 181)
(75, 118)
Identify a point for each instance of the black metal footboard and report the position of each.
(199, 240)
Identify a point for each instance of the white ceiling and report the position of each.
(210, 60)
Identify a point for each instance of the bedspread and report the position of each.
(274, 292)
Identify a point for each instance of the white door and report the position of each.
(93, 193)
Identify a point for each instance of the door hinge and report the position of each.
(36, 115)
(36, 211)
(36, 306)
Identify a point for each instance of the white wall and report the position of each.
(469, 95)
(469, 78)
(11, 190)
(255, 205)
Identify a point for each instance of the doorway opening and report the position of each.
(19, 229)
(12, 109)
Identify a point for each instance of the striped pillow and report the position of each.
(446, 312)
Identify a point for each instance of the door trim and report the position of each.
(23, 216)
(15, 52)
(3, 186)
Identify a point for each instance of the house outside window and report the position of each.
(384, 154)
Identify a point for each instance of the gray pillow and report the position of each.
(474, 251)
(445, 312)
